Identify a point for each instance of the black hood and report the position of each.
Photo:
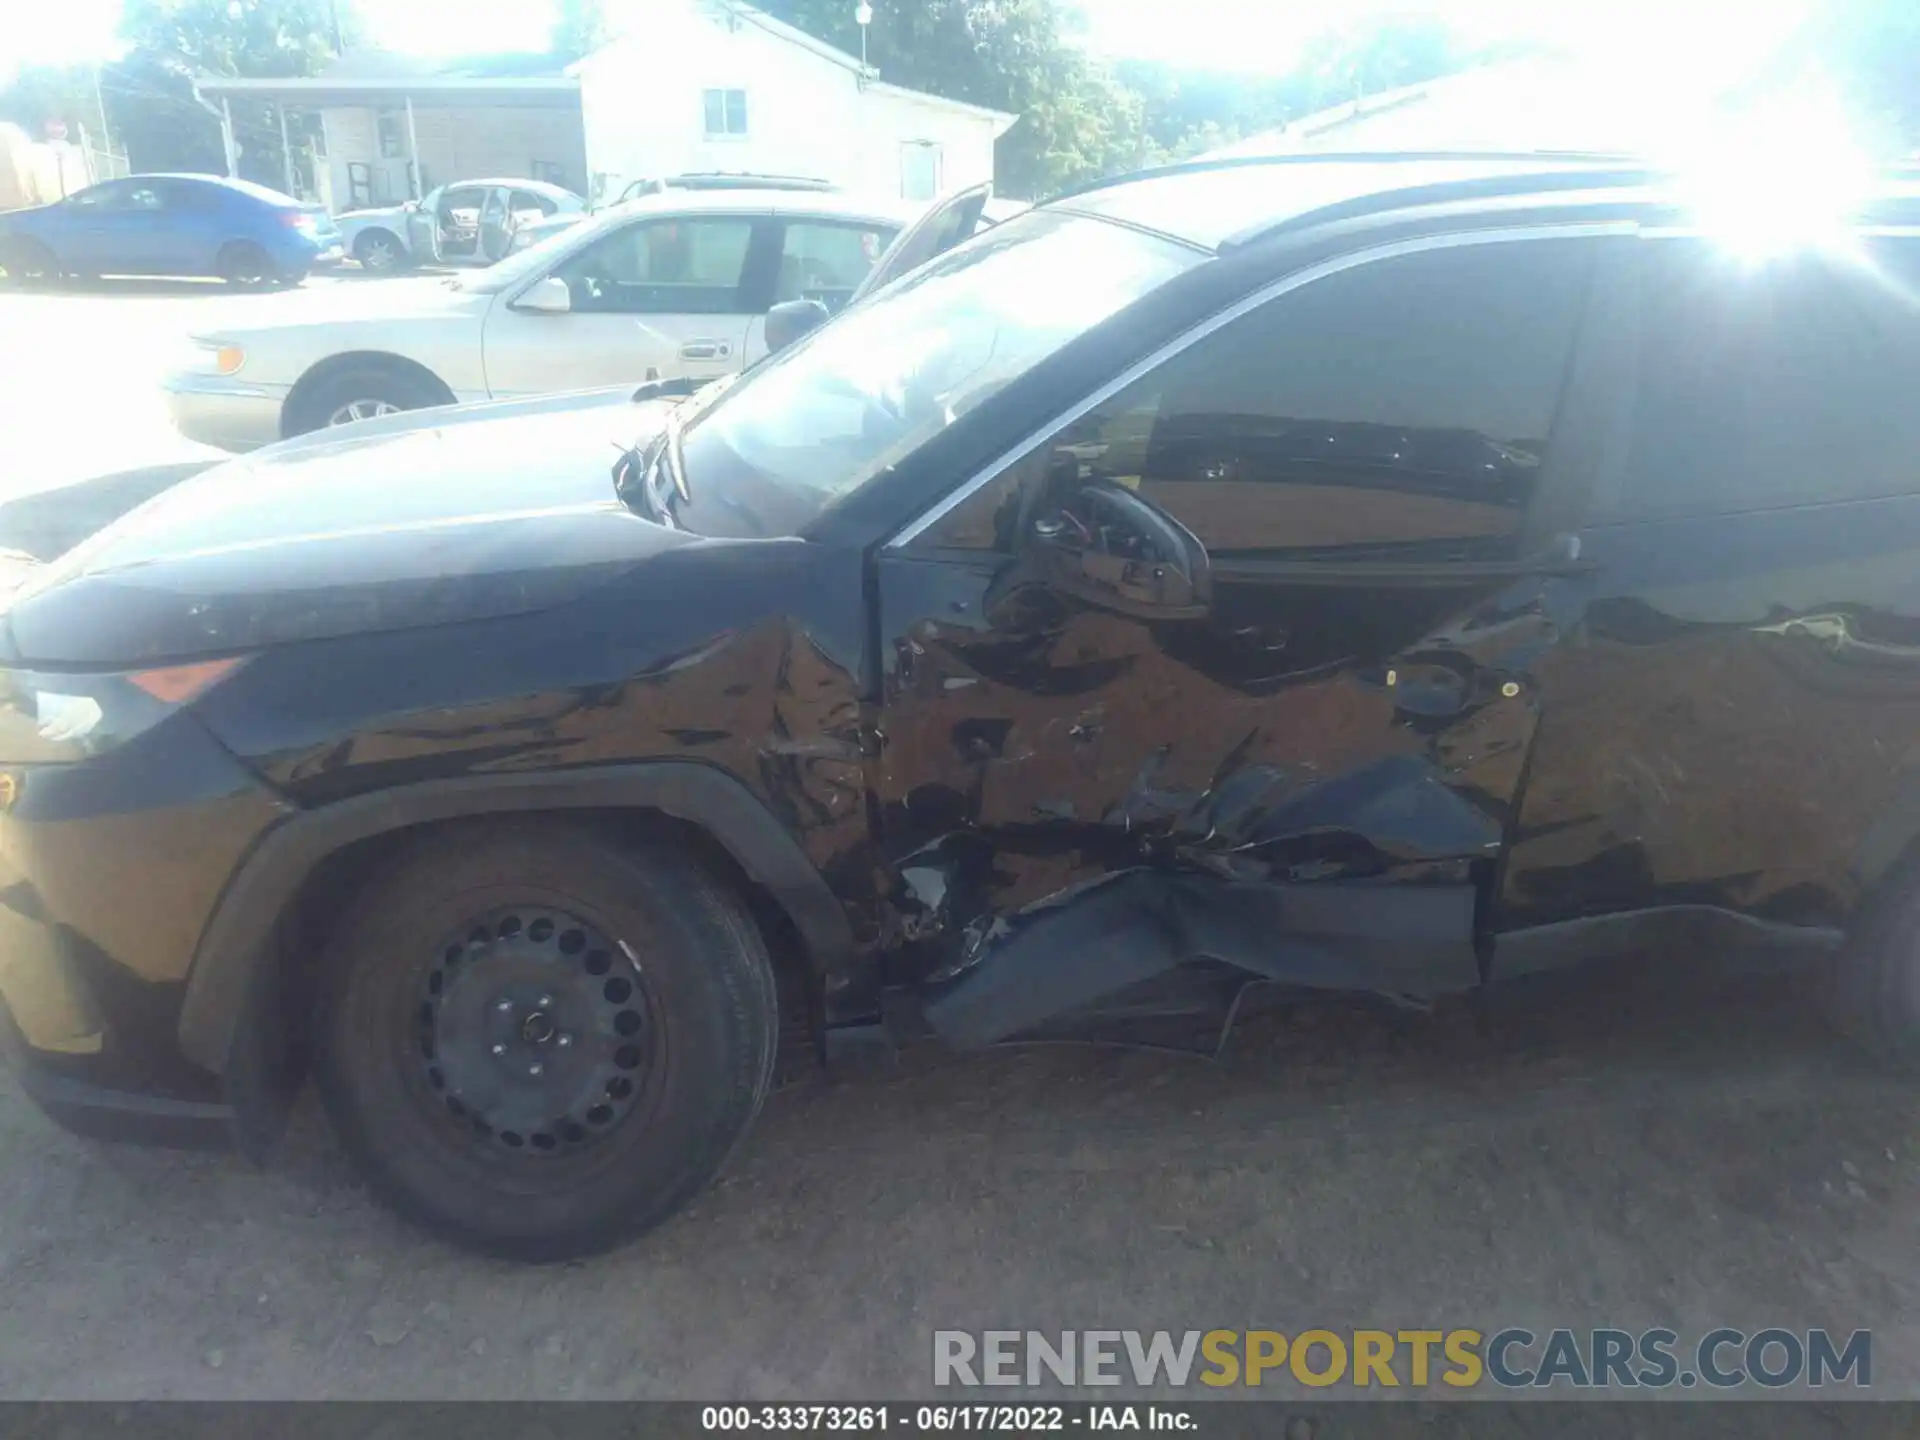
(459, 518)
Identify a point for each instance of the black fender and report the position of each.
(232, 972)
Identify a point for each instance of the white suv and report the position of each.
(672, 285)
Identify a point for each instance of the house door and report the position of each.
(1311, 770)
(920, 169)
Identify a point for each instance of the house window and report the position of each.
(726, 112)
(919, 170)
(393, 134)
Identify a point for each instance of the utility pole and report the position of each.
(286, 147)
(100, 105)
(227, 140)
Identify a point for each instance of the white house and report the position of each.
(714, 85)
(700, 85)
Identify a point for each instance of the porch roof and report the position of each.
(319, 92)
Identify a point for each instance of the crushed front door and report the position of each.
(1313, 778)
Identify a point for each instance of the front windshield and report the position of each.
(815, 423)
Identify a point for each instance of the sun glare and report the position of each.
(1784, 174)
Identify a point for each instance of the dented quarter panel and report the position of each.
(1734, 723)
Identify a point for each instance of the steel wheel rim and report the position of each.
(362, 410)
(536, 1032)
(377, 255)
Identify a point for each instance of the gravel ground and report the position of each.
(1662, 1143)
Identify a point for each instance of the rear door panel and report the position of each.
(1728, 748)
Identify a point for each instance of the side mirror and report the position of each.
(789, 320)
(1116, 552)
(546, 296)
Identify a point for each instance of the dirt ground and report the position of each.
(1649, 1146)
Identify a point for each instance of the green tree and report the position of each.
(43, 94)
(579, 28)
(1080, 118)
(1189, 112)
(1023, 56)
(1369, 55)
(149, 94)
(270, 38)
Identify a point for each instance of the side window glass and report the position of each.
(1788, 383)
(529, 206)
(188, 198)
(460, 207)
(826, 262)
(1398, 409)
(99, 198)
(663, 267)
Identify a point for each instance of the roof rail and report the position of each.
(1318, 157)
(1544, 183)
(809, 180)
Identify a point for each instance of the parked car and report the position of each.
(676, 284)
(533, 233)
(472, 222)
(244, 233)
(1388, 577)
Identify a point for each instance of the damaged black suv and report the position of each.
(1360, 574)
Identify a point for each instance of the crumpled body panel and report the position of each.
(1034, 756)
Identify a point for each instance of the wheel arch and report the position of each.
(321, 371)
(245, 969)
(28, 240)
(231, 241)
(366, 232)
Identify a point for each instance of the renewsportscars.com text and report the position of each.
(1514, 1358)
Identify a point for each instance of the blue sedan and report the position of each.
(244, 233)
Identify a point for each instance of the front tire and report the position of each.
(364, 390)
(380, 252)
(539, 1043)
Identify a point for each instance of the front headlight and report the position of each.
(53, 718)
(212, 357)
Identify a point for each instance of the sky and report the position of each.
(1248, 36)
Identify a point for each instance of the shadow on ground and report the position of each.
(148, 287)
